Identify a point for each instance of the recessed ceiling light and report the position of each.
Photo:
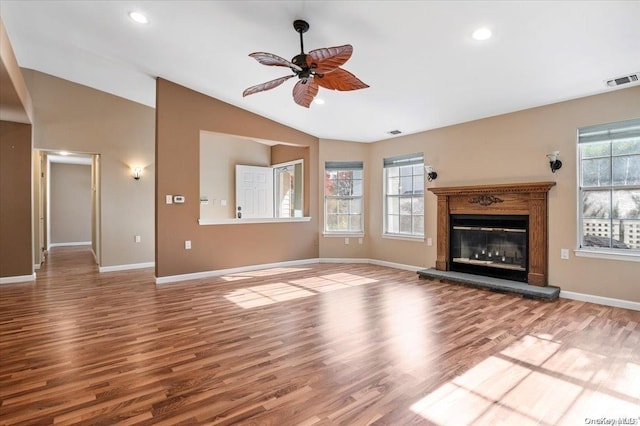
(482, 34)
(394, 132)
(138, 17)
(318, 101)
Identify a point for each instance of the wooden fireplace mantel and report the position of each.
(501, 199)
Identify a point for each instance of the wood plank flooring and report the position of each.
(315, 344)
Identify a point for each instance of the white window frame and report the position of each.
(594, 134)
(401, 161)
(276, 185)
(343, 166)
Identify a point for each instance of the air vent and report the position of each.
(394, 132)
(625, 79)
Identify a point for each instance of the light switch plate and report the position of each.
(187, 245)
(168, 199)
(564, 254)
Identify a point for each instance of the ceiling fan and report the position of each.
(320, 67)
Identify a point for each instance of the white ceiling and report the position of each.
(424, 69)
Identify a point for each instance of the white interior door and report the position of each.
(254, 192)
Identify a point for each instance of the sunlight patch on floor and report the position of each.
(535, 380)
(267, 294)
(261, 273)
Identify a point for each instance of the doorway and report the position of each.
(67, 202)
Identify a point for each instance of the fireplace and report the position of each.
(490, 245)
(505, 221)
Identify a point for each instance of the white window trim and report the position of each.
(609, 254)
(599, 252)
(355, 234)
(398, 236)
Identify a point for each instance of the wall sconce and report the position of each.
(554, 163)
(431, 175)
(136, 172)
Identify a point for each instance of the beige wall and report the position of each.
(219, 155)
(16, 254)
(181, 114)
(504, 149)
(70, 203)
(73, 117)
(333, 246)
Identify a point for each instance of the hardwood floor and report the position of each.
(315, 344)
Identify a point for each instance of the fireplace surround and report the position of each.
(460, 206)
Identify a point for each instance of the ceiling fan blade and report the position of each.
(340, 79)
(329, 58)
(265, 86)
(303, 93)
(273, 60)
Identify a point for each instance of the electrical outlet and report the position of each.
(564, 254)
(360, 240)
(137, 238)
(187, 245)
(346, 241)
(429, 242)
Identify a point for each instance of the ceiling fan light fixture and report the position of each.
(138, 17)
(481, 34)
(318, 101)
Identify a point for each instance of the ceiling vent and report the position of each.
(394, 132)
(625, 79)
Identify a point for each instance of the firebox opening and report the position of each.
(490, 245)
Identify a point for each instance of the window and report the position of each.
(404, 195)
(609, 199)
(343, 197)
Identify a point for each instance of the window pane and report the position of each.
(406, 171)
(418, 184)
(596, 204)
(596, 172)
(332, 222)
(393, 224)
(357, 174)
(393, 185)
(392, 171)
(405, 205)
(332, 206)
(344, 187)
(343, 206)
(595, 233)
(393, 206)
(405, 224)
(598, 149)
(356, 206)
(417, 205)
(626, 204)
(357, 188)
(626, 146)
(356, 221)
(406, 185)
(626, 170)
(418, 225)
(418, 170)
(343, 222)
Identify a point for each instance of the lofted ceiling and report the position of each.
(424, 68)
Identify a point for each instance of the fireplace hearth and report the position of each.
(494, 230)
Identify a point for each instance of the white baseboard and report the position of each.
(600, 300)
(394, 265)
(343, 260)
(126, 267)
(18, 279)
(77, 243)
(219, 272)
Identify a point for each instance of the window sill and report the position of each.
(256, 220)
(403, 237)
(608, 254)
(343, 234)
